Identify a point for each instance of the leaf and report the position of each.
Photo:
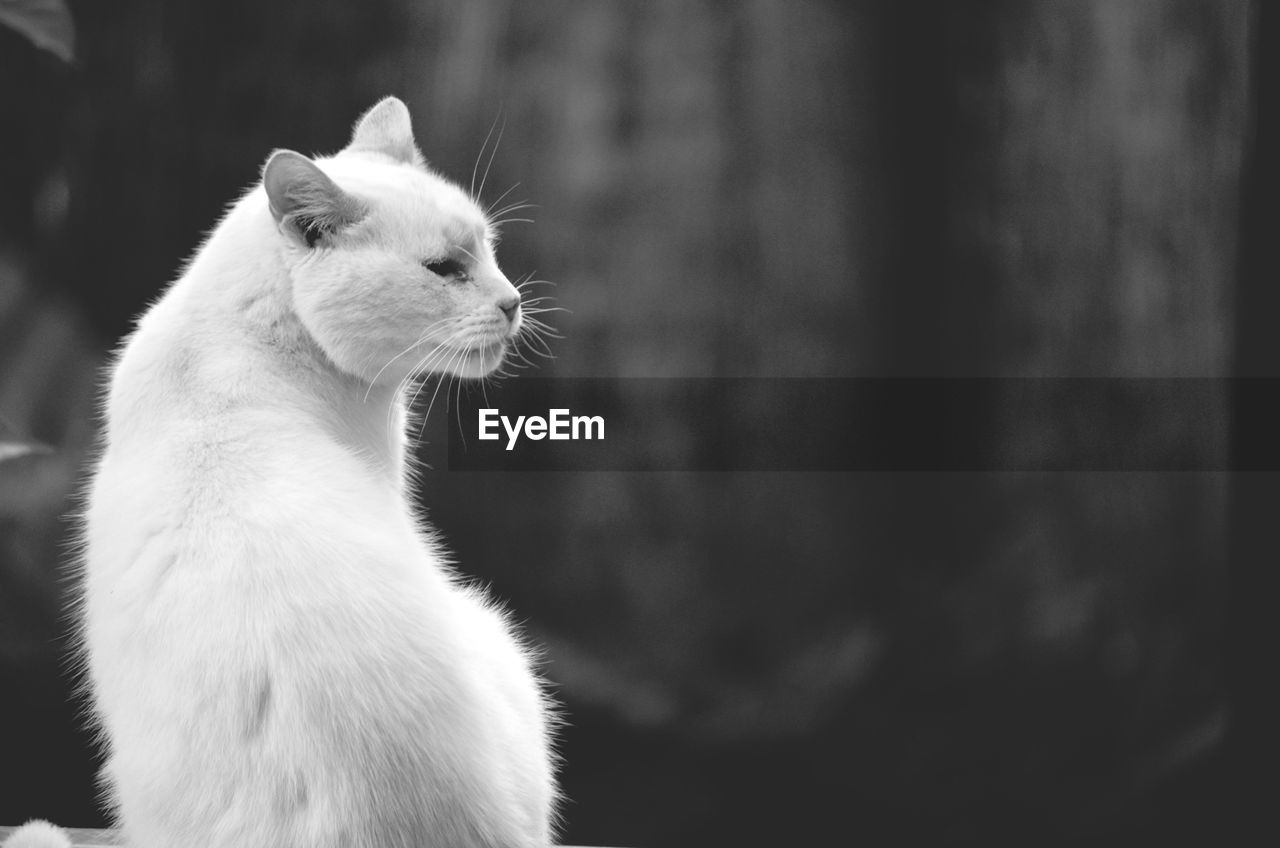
(46, 22)
(32, 478)
(13, 450)
(30, 472)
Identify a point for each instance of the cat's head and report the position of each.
(392, 266)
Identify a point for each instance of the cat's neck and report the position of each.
(225, 338)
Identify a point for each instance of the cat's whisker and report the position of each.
(530, 318)
(521, 282)
(543, 329)
(457, 411)
(484, 177)
(444, 349)
(520, 355)
(422, 423)
(514, 354)
(450, 376)
(480, 155)
(410, 404)
(525, 334)
(422, 366)
(497, 218)
(422, 370)
(540, 347)
(432, 329)
(422, 339)
(456, 356)
(488, 209)
(515, 206)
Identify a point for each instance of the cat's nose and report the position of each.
(510, 307)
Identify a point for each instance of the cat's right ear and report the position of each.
(304, 200)
(386, 128)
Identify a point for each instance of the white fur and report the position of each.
(38, 833)
(278, 653)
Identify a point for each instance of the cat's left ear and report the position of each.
(305, 200)
(386, 128)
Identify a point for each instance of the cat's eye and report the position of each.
(448, 268)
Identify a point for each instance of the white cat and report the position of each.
(279, 654)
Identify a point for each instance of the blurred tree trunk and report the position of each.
(705, 170)
(1095, 167)
(1255, 497)
(703, 165)
(1097, 172)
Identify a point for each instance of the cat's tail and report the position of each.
(38, 833)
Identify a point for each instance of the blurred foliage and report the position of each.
(34, 481)
(46, 22)
(757, 189)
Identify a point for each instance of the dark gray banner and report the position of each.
(822, 424)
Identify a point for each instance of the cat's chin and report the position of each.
(479, 361)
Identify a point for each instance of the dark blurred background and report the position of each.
(1020, 188)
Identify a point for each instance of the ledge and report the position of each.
(80, 837)
(88, 838)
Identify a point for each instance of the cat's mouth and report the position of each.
(484, 351)
(477, 360)
(496, 348)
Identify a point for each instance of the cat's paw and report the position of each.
(38, 833)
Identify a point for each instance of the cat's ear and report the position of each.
(304, 199)
(386, 128)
